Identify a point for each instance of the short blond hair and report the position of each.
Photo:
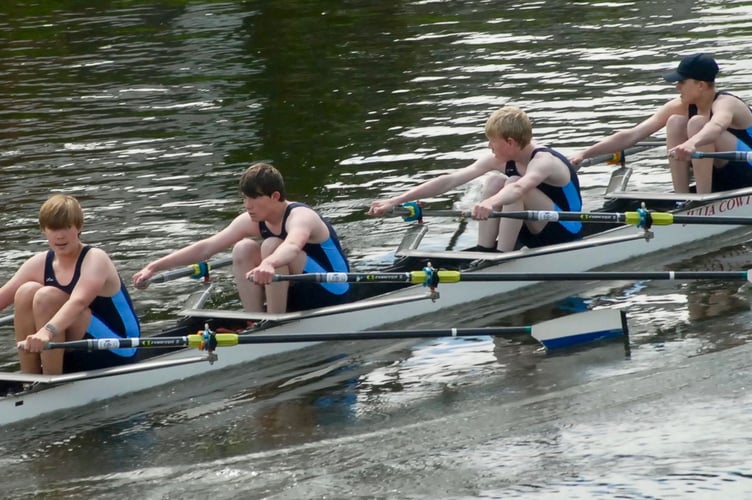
(510, 122)
(61, 211)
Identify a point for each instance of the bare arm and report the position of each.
(31, 270)
(97, 278)
(724, 110)
(438, 185)
(538, 170)
(629, 137)
(98, 275)
(303, 226)
(241, 227)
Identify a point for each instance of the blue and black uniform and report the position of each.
(111, 317)
(566, 198)
(735, 174)
(325, 257)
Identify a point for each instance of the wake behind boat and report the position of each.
(608, 244)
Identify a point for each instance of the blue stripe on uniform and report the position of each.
(570, 193)
(339, 264)
(99, 330)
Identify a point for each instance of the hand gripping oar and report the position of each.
(195, 271)
(641, 218)
(430, 277)
(726, 155)
(619, 156)
(561, 332)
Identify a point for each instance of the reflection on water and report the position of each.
(148, 111)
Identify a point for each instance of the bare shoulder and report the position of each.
(303, 214)
(98, 257)
(675, 107)
(730, 101)
(242, 225)
(306, 219)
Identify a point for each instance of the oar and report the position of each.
(561, 332)
(619, 155)
(6, 320)
(640, 218)
(196, 271)
(725, 155)
(430, 277)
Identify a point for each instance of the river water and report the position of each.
(148, 112)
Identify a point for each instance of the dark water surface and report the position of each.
(148, 112)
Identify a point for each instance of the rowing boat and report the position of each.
(611, 245)
(57, 392)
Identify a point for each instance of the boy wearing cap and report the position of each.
(700, 119)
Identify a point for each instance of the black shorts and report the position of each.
(734, 175)
(302, 296)
(552, 234)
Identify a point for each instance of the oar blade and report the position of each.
(581, 328)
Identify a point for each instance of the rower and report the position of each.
(520, 175)
(70, 292)
(293, 239)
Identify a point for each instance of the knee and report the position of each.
(269, 245)
(48, 299)
(493, 184)
(25, 294)
(677, 125)
(246, 250)
(695, 124)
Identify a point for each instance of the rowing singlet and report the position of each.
(325, 257)
(566, 198)
(111, 317)
(735, 174)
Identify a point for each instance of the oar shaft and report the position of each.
(232, 339)
(6, 320)
(106, 344)
(194, 270)
(725, 155)
(632, 218)
(421, 277)
(406, 277)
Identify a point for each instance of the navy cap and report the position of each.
(700, 67)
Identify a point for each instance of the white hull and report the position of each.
(69, 391)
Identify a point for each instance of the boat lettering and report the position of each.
(722, 206)
(732, 203)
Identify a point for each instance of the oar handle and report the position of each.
(725, 155)
(195, 341)
(619, 155)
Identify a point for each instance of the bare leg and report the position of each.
(509, 229)
(488, 230)
(24, 325)
(703, 169)
(535, 199)
(246, 254)
(47, 301)
(276, 293)
(676, 133)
